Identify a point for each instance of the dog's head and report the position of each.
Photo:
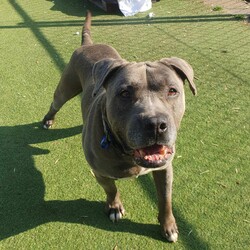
(145, 103)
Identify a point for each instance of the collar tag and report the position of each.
(105, 142)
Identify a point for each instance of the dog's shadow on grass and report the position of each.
(22, 190)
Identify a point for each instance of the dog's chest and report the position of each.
(132, 172)
(144, 171)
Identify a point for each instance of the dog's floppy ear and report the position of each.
(183, 69)
(104, 69)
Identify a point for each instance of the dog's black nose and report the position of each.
(156, 125)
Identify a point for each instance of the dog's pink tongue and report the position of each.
(155, 149)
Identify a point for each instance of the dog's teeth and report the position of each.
(154, 157)
(163, 151)
(148, 157)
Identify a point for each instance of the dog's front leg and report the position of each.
(163, 181)
(114, 207)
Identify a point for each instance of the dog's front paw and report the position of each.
(115, 212)
(170, 230)
(172, 237)
(47, 122)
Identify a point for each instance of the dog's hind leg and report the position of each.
(68, 87)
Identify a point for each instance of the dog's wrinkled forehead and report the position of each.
(165, 71)
(159, 76)
(133, 73)
(150, 75)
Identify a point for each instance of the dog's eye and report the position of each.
(125, 94)
(172, 92)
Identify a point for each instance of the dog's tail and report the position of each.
(86, 36)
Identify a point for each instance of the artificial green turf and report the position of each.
(48, 196)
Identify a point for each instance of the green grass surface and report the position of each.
(48, 196)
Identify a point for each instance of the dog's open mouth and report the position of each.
(152, 156)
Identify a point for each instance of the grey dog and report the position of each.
(131, 112)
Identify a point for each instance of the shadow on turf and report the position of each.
(21, 184)
(22, 189)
